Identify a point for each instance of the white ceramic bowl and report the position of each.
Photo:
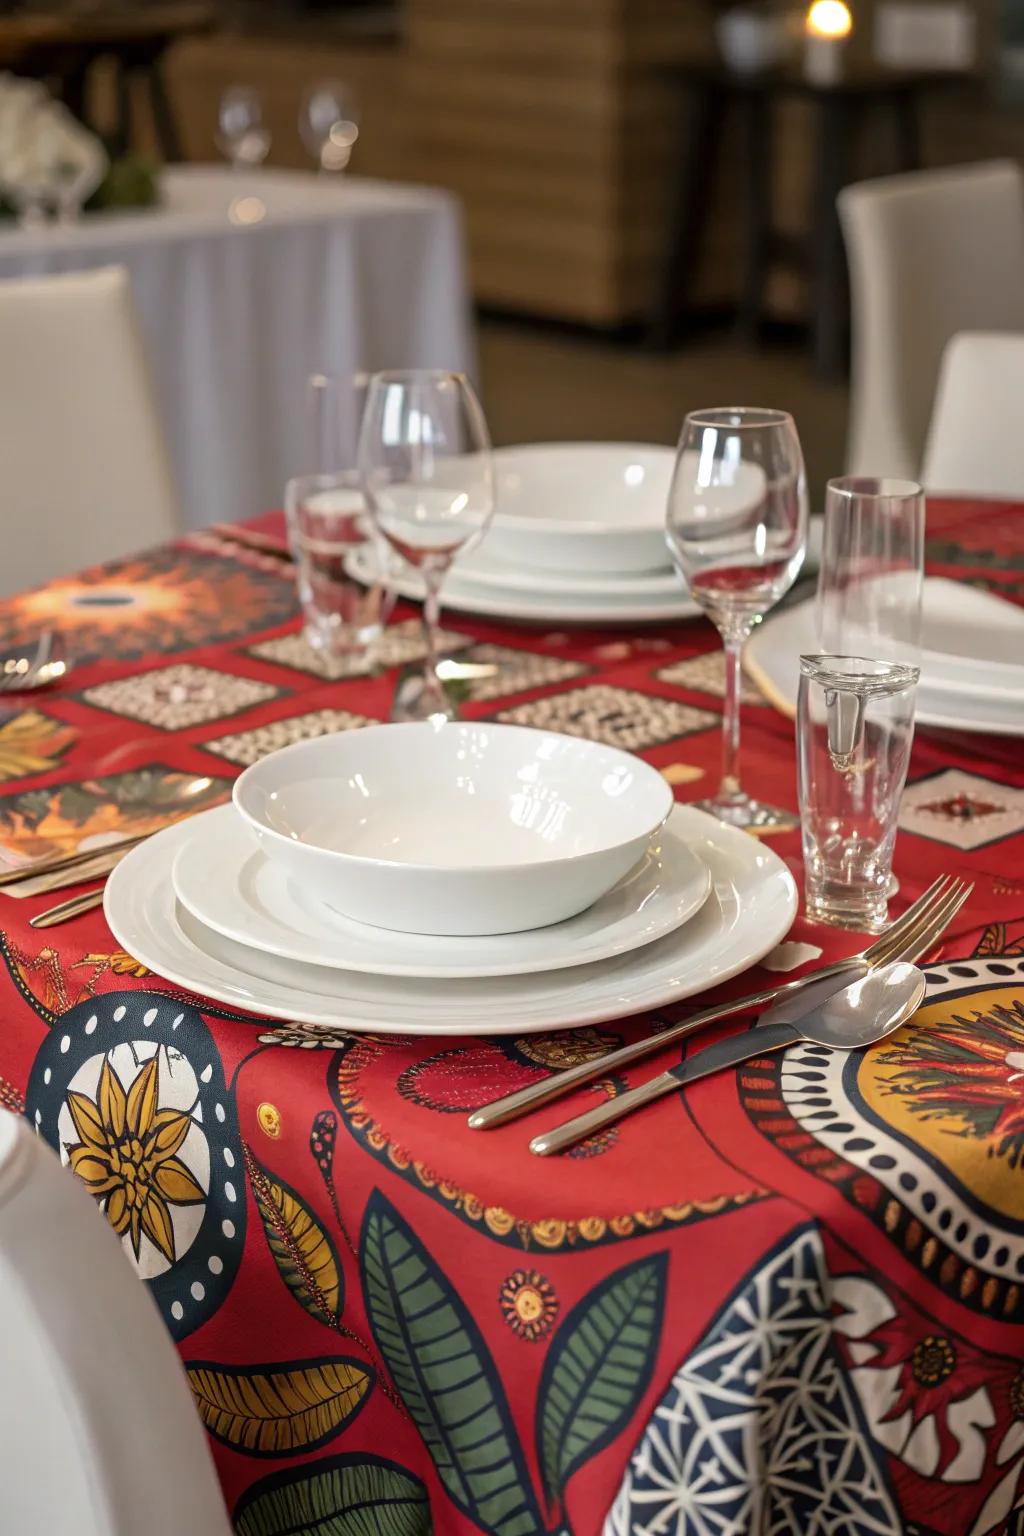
(575, 507)
(459, 828)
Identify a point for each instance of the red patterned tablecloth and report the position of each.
(791, 1300)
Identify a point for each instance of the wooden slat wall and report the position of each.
(558, 125)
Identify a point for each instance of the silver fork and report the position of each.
(572, 1131)
(893, 944)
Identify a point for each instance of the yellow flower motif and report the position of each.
(126, 1156)
(529, 1304)
(30, 742)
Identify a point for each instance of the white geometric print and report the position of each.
(759, 1431)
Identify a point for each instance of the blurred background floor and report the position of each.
(544, 384)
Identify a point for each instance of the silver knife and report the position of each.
(774, 1030)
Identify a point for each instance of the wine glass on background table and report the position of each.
(427, 473)
(329, 124)
(737, 530)
(242, 135)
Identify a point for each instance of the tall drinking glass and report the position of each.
(872, 569)
(427, 473)
(327, 522)
(855, 728)
(737, 529)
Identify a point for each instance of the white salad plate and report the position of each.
(482, 570)
(228, 884)
(965, 691)
(564, 607)
(457, 827)
(751, 906)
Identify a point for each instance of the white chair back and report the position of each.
(930, 254)
(85, 474)
(98, 1432)
(976, 438)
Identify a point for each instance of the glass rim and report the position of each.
(874, 488)
(418, 376)
(739, 417)
(821, 667)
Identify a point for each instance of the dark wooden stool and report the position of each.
(64, 46)
(840, 112)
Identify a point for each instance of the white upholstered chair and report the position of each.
(931, 253)
(84, 471)
(98, 1432)
(976, 437)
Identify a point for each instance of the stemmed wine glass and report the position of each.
(328, 125)
(736, 529)
(428, 478)
(242, 135)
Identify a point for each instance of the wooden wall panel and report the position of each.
(559, 123)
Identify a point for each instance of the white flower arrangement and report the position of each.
(47, 157)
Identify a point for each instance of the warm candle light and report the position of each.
(829, 18)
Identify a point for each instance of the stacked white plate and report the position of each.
(245, 904)
(578, 537)
(972, 659)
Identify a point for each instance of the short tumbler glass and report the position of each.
(855, 728)
(327, 521)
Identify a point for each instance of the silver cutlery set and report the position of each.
(848, 1005)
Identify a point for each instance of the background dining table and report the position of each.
(245, 283)
(788, 1300)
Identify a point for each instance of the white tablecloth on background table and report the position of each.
(333, 275)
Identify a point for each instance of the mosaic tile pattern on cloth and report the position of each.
(517, 671)
(175, 698)
(249, 746)
(962, 809)
(618, 717)
(706, 674)
(399, 645)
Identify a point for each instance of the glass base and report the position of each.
(418, 697)
(749, 815)
(839, 907)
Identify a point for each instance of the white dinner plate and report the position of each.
(531, 607)
(772, 657)
(480, 569)
(223, 879)
(750, 908)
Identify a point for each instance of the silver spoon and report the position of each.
(865, 1011)
(47, 664)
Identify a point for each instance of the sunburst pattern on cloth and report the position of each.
(170, 600)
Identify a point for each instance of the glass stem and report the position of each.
(729, 792)
(432, 579)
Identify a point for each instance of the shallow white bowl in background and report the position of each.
(457, 828)
(575, 507)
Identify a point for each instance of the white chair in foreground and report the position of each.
(931, 253)
(98, 1432)
(85, 474)
(976, 438)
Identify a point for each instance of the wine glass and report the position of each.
(427, 474)
(328, 124)
(242, 135)
(736, 530)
